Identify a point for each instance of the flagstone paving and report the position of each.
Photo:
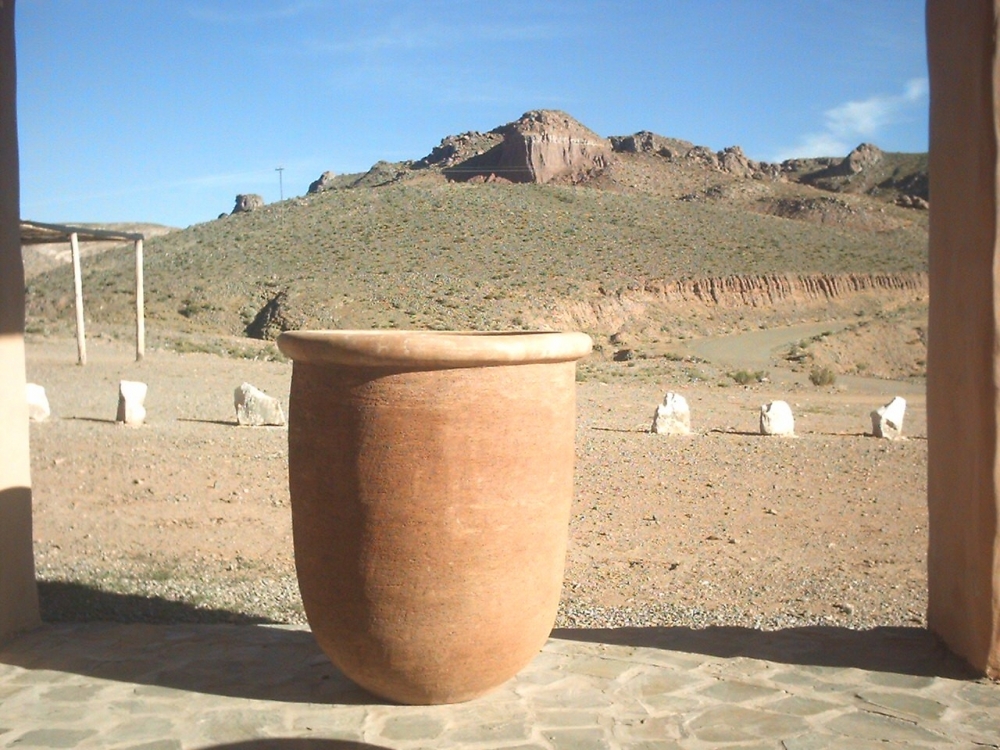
(174, 687)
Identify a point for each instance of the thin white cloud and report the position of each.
(273, 12)
(849, 123)
(431, 36)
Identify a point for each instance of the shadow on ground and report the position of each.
(255, 663)
(277, 743)
(912, 651)
(281, 663)
(65, 601)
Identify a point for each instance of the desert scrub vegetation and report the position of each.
(820, 376)
(438, 254)
(748, 377)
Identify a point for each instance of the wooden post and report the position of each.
(81, 344)
(140, 306)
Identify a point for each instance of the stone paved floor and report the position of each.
(165, 687)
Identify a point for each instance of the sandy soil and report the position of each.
(187, 518)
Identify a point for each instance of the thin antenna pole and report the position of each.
(281, 186)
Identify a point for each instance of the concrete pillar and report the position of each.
(18, 594)
(963, 361)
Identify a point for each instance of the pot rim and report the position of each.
(432, 349)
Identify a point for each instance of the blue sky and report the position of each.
(164, 110)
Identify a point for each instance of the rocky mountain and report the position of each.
(538, 223)
(544, 146)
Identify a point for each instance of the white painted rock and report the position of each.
(38, 403)
(776, 419)
(887, 421)
(255, 408)
(673, 416)
(131, 395)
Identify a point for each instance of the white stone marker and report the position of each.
(256, 408)
(38, 402)
(887, 421)
(131, 395)
(776, 419)
(673, 416)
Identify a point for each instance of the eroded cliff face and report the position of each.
(776, 289)
(768, 299)
(547, 144)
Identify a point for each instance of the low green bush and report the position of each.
(822, 376)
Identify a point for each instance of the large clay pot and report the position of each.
(431, 478)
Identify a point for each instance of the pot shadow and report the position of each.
(168, 644)
(902, 650)
(271, 663)
(66, 601)
(295, 743)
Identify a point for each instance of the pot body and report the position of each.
(430, 503)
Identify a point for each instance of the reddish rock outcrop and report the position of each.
(544, 145)
(863, 157)
(325, 182)
(645, 142)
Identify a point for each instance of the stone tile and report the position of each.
(826, 742)
(821, 671)
(340, 719)
(799, 706)
(74, 693)
(866, 725)
(738, 692)
(52, 738)
(649, 728)
(894, 680)
(574, 648)
(740, 666)
(672, 703)
(676, 659)
(807, 742)
(570, 694)
(576, 739)
(727, 723)
(658, 683)
(653, 745)
(9, 691)
(156, 745)
(985, 723)
(412, 727)
(569, 717)
(137, 730)
(605, 668)
(158, 691)
(495, 733)
(813, 682)
(53, 714)
(981, 694)
(244, 723)
(914, 705)
(38, 677)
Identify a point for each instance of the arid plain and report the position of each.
(731, 282)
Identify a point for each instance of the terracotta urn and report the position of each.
(431, 476)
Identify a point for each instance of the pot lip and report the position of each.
(432, 349)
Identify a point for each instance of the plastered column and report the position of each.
(18, 594)
(963, 363)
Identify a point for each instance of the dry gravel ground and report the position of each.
(187, 518)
